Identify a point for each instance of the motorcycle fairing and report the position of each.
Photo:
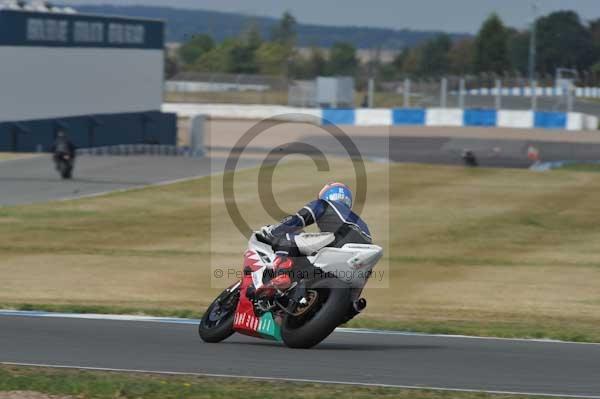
(352, 263)
(245, 320)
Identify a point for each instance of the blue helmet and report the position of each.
(337, 192)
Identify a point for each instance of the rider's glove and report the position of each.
(267, 232)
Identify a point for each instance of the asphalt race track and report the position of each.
(502, 153)
(347, 357)
(31, 180)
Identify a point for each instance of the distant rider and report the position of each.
(63, 146)
(332, 212)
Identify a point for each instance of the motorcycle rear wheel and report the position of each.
(318, 322)
(216, 324)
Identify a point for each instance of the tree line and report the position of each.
(250, 53)
(563, 41)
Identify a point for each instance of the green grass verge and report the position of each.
(7, 156)
(108, 385)
(582, 167)
(550, 329)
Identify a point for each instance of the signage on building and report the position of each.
(23, 28)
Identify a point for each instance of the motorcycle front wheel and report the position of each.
(65, 169)
(328, 307)
(217, 323)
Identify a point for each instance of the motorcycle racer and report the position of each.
(332, 212)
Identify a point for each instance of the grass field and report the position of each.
(6, 156)
(381, 99)
(582, 167)
(472, 251)
(105, 385)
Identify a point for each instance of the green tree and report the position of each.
(491, 47)
(212, 61)
(411, 64)
(460, 57)
(242, 58)
(434, 56)
(596, 72)
(191, 51)
(317, 63)
(595, 36)
(272, 58)
(251, 36)
(171, 66)
(342, 60)
(218, 59)
(563, 41)
(518, 51)
(285, 31)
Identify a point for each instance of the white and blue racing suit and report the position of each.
(331, 217)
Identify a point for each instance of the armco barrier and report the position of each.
(444, 117)
(142, 149)
(515, 119)
(398, 116)
(372, 117)
(480, 117)
(408, 116)
(88, 131)
(526, 91)
(550, 120)
(576, 121)
(338, 116)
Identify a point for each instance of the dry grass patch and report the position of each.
(467, 250)
(7, 156)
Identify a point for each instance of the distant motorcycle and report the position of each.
(309, 311)
(64, 165)
(470, 159)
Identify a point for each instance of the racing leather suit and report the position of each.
(331, 217)
(63, 145)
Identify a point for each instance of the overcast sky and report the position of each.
(446, 15)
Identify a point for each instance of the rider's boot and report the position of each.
(281, 282)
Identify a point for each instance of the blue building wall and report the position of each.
(91, 131)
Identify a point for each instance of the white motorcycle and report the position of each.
(310, 310)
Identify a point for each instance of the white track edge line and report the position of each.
(177, 320)
(299, 380)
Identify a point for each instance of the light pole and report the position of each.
(532, 51)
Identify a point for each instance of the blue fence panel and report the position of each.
(480, 117)
(408, 116)
(338, 116)
(550, 120)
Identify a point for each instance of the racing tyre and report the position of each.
(217, 323)
(328, 311)
(64, 169)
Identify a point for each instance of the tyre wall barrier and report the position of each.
(394, 117)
